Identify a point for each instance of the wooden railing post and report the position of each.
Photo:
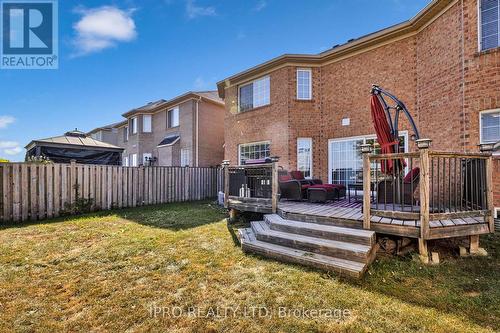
(274, 187)
(225, 166)
(423, 146)
(366, 150)
(488, 148)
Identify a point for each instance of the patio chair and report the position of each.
(292, 189)
(386, 188)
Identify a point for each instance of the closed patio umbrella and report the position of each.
(388, 142)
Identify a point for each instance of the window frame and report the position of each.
(310, 141)
(169, 125)
(265, 77)
(480, 28)
(308, 70)
(481, 123)
(185, 152)
(252, 144)
(125, 161)
(366, 137)
(133, 123)
(133, 160)
(126, 133)
(144, 117)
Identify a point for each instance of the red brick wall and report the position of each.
(438, 72)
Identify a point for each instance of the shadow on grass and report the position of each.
(466, 287)
(172, 216)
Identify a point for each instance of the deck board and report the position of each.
(343, 210)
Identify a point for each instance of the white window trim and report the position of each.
(481, 126)
(126, 133)
(310, 83)
(366, 137)
(133, 121)
(178, 117)
(252, 82)
(185, 153)
(480, 29)
(133, 160)
(250, 144)
(311, 155)
(150, 123)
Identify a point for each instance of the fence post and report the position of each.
(488, 148)
(274, 185)
(73, 182)
(423, 146)
(366, 150)
(225, 166)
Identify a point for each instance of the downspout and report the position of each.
(197, 130)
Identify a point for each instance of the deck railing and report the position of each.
(448, 186)
(252, 182)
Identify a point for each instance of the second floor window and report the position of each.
(133, 125)
(304, 84)
(125, 133)
(173, 117)
(146, 123)
(254, 94)
(490, 24)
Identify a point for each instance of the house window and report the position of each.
(146, 157)
(133, 160)
(146, 123)
(304, 84)
(345, 159)
(125, 133)
(252, 151)
(254, 94)
(125, 161)
(173, 117)
(490, 126)
(304, 156)
(185, 157)
(490, 24)
(133, 124)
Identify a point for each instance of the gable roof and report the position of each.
(108, 127)
(415, 24)
(209, 96)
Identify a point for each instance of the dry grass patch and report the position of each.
(104, 272)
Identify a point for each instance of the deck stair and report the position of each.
(343, 250)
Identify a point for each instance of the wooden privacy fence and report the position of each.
(39, 191)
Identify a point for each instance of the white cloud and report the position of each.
(13, 151)
(194, 11)
(260, 5)
(8, 144)
(6, 121)
(10, 147)
(101, 28)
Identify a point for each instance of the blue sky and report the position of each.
(117, 55)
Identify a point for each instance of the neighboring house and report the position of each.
(313, 111)
(187, 130)
(108, 133)
(77, 146)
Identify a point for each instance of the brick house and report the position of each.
(107, 133)
(313, 110)
(187, 130)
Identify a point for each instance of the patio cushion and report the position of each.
(298, 175)
(285, 178)
(306, 186)
(412, 175)
(323, 187)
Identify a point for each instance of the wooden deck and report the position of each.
(345, 214)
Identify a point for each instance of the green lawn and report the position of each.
(106, 272)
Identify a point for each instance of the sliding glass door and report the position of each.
(345, 163)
